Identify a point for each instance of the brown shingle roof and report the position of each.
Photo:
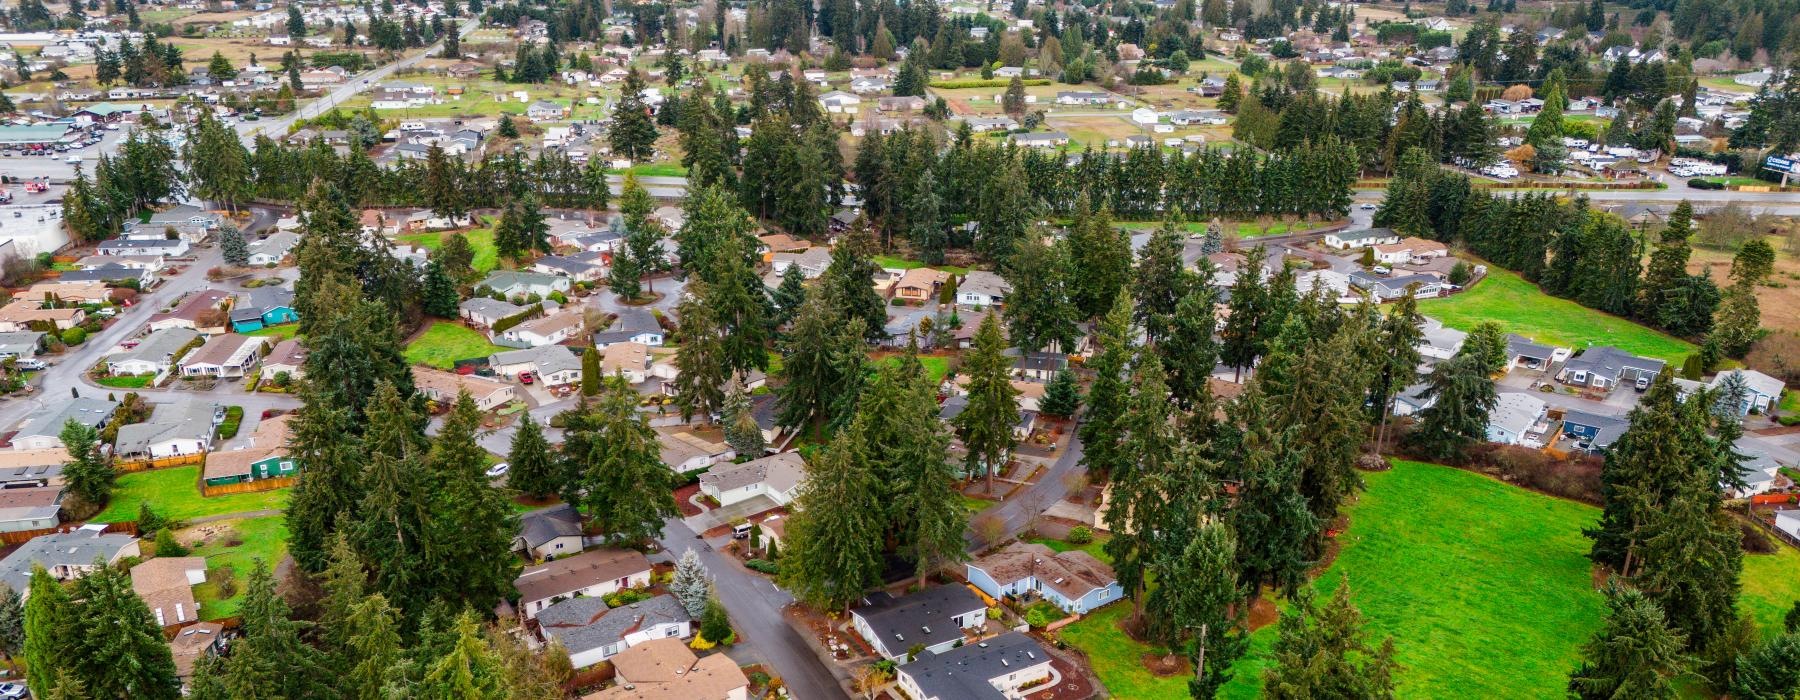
(1073, 573)
(162, 583)
(664, 669)
(563, 576)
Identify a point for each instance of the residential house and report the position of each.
(1439, 342)
(1349, 240)
(28, 469)
(1762, 392)
(628, 360)
(120, 275)
(982, 289)
(201, 311)
(1411, 249)
(985, 124)
(158, 247)
(777, 477)
(840, 102)
(274, 249)
(812, 261)
(685, 450)
(554, 365)
(1039, 366)
(266, 457)
(443, 388)
(288, 357)
(909, 103)
(592, 573)
(174, 429)
(512, 284)
(544, 330)
(550, 532)
(1523, 352)
(34, 508)
(592, 633)
(1384, 288)
(1083, 97)
(21, 315)
(483, 311)
(192, 644)
(192, 223)
(23, 345)
(995, 669)
(263, 307)
(933, 618)
(1188, 117)
(866, 86)
(1605, 368)
(920, 284)
(1514, 420)
(227, 355)
(43, 430)
(155, 354)
(1074, 581)
(1591, 431)
(665, 669)
(1041, 139)
(545, 110)
(92, 292)
(633, 325)
(66, 555)
(585, 267)
(167, 585)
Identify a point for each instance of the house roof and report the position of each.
(35, 503)
(286, 353)
(158, 347)
(269, 440)
(1521, 346)
(586, 623)
(185, 420)
(1759, 383)
(619, 357)
(78, 548)
(923, 278)
(540, 526)
(564, 576)
(665, 669)
(566, 264)
(277, 244)
(967, 672)
(1041, 361)
(219, 349)
(984, 282)
(1516, 411)
(490, 308)
(196, 305)
(551, 324)
(1610, 361)
(162, 583)
(1607, 428)
(782, 472)
(49, 420)
(140, 244)
(192, 643)
(816, 256)
(507, 279)
(447, 385)
(919, 618)
(547, 358)
(629, 323)
(267, 298)
(1073, 573)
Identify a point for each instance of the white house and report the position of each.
(840, 102)
(554, 365)
(593, 573)
(174, 429)
(1514, 419)
(593, 633)
(934, 617)
(1347, 240)
(983, 289)
(993, 669)
(155, 354)
(545, 330)
(777, 476)
(226, 355)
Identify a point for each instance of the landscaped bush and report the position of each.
(625, 597)
(763, 566)
(234, 417)
(74, 336)
(1704, 184)
(1080, 534)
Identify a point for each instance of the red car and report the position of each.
(526, 378)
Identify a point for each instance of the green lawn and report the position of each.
(1519, 307)
(284, 331)
(444, 343)
(653, 170)
(481, 240)
(1738, 180)
(263, 538)
(136, 381)
(1096, 547)
(975, 505)
(175, 493)
(898, 263)
(935, 367)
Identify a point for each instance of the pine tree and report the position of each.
(118, 646)
(715, 624)
(788, 297)
(633, 132)
(619, 475)
(908, 450)
(1634, 655)
(1668, 264)
(439, 294)
(1014, 100)
(1324, 652)
(1040, 314)
(1142, 498)
(1241, 341)
(691, 585)
(1463, 396)
(742, 432)
(986, 425)
(834, 536)
(1397, 364)
(1201, 609)
(12, 622)
(532, 471)
(1273, 523)
(849, 282)
(1160, 282)
(471, 524)
(1062, 398)
(1103, 255)
(270, 660)
(1768, 672)
(468, 670)
(49, 630)
(232, 246)
(591, 379)
(88, 474)
(1189, 352)
(1662, 457)
(822, 358)
(1738, 322)
(374, 648)
(1107, 396)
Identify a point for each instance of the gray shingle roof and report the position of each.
(920, 618)
(540, 526)
(78, 548)
(585, 623)
(86, 411)
(966, 672)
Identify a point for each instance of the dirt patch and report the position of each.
(1785, 430)
(1165, 665)
(1263, 613)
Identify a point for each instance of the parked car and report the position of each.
(1643, 384)
(498, 470)
(12, 690)
(526, 378)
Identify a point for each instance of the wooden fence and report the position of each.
(269, 484)
(21, 536)
(138, 465)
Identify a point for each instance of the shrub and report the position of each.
(1704, 184)
(624, 597)
(166, 546)
(1037, 618)
(234, 417)
(763, 566)
(74, 336)
(1080, 534)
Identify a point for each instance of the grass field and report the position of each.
(653, 170)
(175, 493)
(481, 240)
(137, 381)
(898, 263)
(1096, 547)
(444, 343)
(283, 331)
(263, 538)
(1521, 308)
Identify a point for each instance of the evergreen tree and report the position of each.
(50, 634)
(118, 647)
(1396, 367)
(1100, 434)
(532, 471)
(1324, 653)
(619, 475)
(1241, 341)
(908, 450)
(12, 622)
(270, 660)
(232, 246)
(1103, 255)
(1634, 655)
(1140, 509)
(1202, 608)
(1160, 282)
(1668, 262)
(815, 354)
(440, 296)
(1040, 314)
(1062, 398)
(633, 132)
(591, 379)
(849, 282)
(742, 432)
(1737, 324)
(714, 622)
(472, 524)
(468, 670)
(374, 648)
(1273, 523)
(1463, 396)
(700, 385)
(1769, 672)
(1189, 351)
(834, 536)
(1692, 555)
(691, 585)
(986, 425)
(788, 297)
(89, 474)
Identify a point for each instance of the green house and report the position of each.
(266, 457)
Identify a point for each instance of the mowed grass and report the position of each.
(444, 343)
(282, 332)
(893, 262)
(175, 493)
(1520, 307)
(262, 538)
(481, 240)
(935, 367)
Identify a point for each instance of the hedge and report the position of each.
(987, 83)
(532, 312)
(234, 417)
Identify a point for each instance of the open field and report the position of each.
(1519, 307)
(175, 493)
(262, 538)
(481, 240)
(444, 343)
(1777, 302)
(199, 50)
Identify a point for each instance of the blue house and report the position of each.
(1074, 580)
(1595, 431)
(263, 307)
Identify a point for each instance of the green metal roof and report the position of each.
(36, 133)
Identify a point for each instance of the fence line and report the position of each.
(139, 465)
(269, 484)
(21, 536)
